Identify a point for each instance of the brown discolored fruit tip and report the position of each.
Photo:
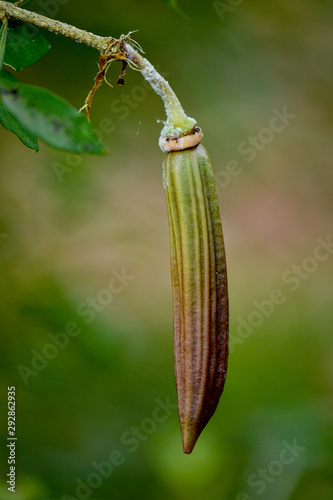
(181, 142)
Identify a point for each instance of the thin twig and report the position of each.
(97, 42)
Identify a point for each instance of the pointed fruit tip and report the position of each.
(189, 437)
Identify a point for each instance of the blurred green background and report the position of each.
(233, 67)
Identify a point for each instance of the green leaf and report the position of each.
(7, 76)
(51, 118)
(10, 123)
(25, 45)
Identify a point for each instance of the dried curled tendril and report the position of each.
(114, 52)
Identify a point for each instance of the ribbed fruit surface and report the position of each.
(199, 285)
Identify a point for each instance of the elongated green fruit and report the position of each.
(199, 286)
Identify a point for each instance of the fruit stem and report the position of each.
(177, 122)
